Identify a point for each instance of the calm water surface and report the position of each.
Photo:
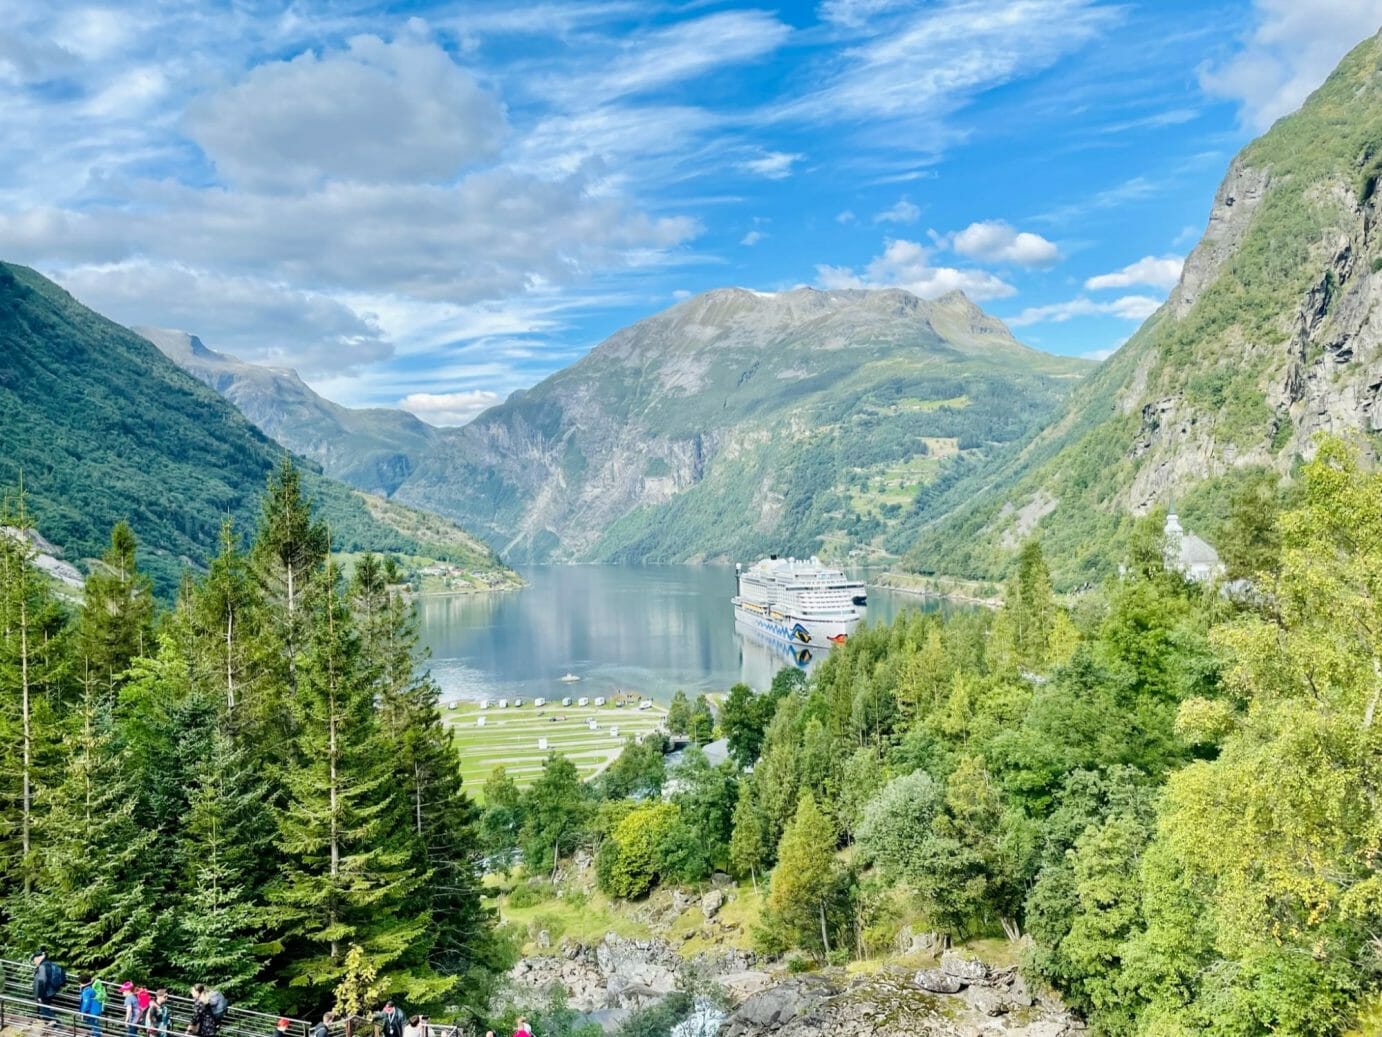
(651, 629)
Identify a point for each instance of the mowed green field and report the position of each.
(510, 736)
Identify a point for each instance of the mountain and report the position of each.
(101, 427)
(1274, 334)
(373, 449)
(738, 423)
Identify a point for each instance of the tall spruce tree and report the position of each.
(230, 646)
(116, 620)
(433, 806)
(91, 904)
(350, 874)
(289, 551)
(32, 679)
(228, 830)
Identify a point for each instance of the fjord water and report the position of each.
(649, 629)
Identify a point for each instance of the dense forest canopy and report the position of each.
(254, 789)
(1169, 792)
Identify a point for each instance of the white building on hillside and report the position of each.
(1188, 554)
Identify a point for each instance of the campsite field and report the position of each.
(510, 736)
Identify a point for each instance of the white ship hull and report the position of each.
(794, 630)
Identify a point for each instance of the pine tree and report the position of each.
(32, 681)
(228, 828)
(349, 872)
(91, 904)
(749, 850)
(433, 806)
(229, 644)
(289, 551)
(116, 620)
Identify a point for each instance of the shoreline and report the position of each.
(902, 583)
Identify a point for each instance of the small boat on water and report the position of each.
(568, 678)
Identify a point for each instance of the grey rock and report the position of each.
(544, 938)
(968, 969)
(740, 986)
(712, 902)
(771, 1009)
(986, 1000)
(938, 982)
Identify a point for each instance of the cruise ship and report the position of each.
(798, 600)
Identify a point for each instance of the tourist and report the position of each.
(523, 1030)
(392, 1019)
(204, 1021)
(48, 980)
(323, 1028)
(414, 1027)
(281, 1027)
(131, 1009)
(90, 1006)
(160, 1015)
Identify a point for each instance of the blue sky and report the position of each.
(435, 204)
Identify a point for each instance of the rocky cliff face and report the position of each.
(741, 997)
(372, 449)
(739, 422)
(1273, 335)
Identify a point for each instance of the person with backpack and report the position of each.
(92, 1005)
(160, 1015)
(49, 978)
(205, 1019)
(131, 1009)
(323, 1028)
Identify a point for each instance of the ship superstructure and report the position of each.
(798, 600)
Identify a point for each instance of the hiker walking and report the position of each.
(207, 1013)
(523, 1030)
(131, 1009)
(49, 978)
(160, 1015)
(323, 1028)
(92, 1005)
(282, 1026)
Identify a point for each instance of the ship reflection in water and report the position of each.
(762, 656)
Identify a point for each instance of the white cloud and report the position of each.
(995, 241)
(903, 212)
(1290, 52)
(855, 14)
(449, 408)
(907, 265)
(377, 112)
(1128, 307)
(1154, 271)
(650, 60)
(261, 321)
(846, 217)
(934, 57)
(1099, 354)
(753, 237)
(774, 165)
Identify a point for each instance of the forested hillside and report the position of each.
(373, 449)
(103, 428)
(740, 423)
(1173, 795)
(1271, 338)
(254, 790)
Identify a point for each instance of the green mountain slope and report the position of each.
(373, 449)
(1273, 335)
(739, 423)
(103, 427)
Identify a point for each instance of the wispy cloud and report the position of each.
(1128, 307)
(772, 165)
(753, 237)
(903, 212)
